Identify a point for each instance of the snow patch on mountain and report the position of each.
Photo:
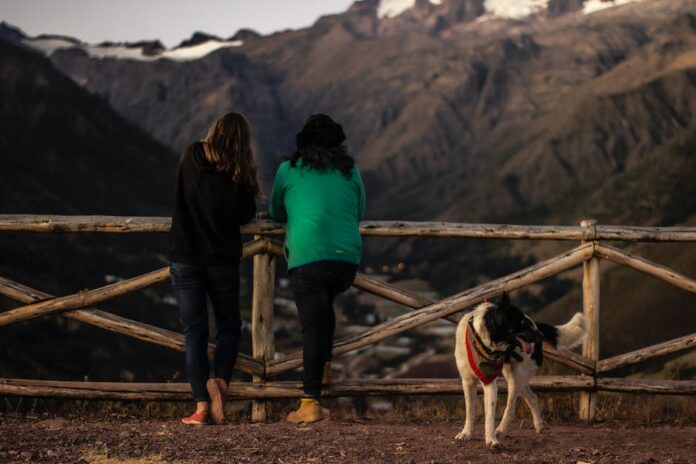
(515, 9)
(195, 52)
(47, 46)
(510, 9)
(199, 51)
(593, 6)
(391, 8)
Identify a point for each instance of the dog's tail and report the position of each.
(568, 335)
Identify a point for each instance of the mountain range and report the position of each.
(65, 151)
(455, 110)
(436, 97)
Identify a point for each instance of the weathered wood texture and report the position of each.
(646, 266)
(575, 361)
(254, 247)
(363, 387)
(647, 386)
(483, 231)
(634, 357)
(395, 294)
(121, 325)
(90, 297)
(82, 299)
(426, 310)
(263, 341)
(59, 224)
(645, 234)
(124, 224)
(263, 344)
(590, 300)
(445, 307)
(269, 390)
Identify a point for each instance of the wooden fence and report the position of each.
(262, 365)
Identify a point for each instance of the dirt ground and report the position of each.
(359, 441)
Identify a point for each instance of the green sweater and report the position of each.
(323, 211)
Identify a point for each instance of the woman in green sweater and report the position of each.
(320, 194)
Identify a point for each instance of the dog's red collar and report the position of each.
(486, 368)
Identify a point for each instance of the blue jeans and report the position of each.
(315, 286)
(193, 284)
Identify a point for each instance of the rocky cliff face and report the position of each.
(177, 102)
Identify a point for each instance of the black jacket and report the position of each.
(209, 209)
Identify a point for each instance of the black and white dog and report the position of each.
(498, 337)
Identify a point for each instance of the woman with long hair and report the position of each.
(320, 193)
(217, 186)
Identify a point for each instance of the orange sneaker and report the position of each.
(197, 418)
(217, 390)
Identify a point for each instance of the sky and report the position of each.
(170, 21)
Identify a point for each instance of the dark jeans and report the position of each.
(193, 284)
(315, 287)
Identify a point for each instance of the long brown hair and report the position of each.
(228, 147)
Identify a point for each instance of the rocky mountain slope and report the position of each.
(75, 151)
(539, 108)
(65, 151)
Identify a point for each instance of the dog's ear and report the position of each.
(504, 301)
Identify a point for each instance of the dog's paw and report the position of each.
(539, 426)
(493, 444)
(463, 436)
(501, 431)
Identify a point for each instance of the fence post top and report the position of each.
(588, 222)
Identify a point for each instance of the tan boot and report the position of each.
(309, 411)
(326, 377)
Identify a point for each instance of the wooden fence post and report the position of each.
(590, 347)
(262, 337)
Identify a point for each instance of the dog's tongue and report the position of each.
(526, 347)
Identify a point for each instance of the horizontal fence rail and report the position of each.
(262, 365)
(138, 224)
(358, 387)
(269, 390)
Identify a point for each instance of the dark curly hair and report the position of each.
(320, 145)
